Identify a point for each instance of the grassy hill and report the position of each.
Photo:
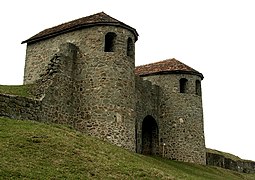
(33, 150)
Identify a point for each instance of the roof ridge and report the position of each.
(166, 66)
(100, 18)
(157, 62)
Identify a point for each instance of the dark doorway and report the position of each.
(150, 139)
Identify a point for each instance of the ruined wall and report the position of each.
(56, 86)
(147, 104)
(39, 54)
(53, 91)
(181, 118)
(17, 107)
(243, 166)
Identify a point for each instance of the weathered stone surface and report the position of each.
(179, 117)
(20, 107)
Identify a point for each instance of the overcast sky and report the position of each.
(215, 37)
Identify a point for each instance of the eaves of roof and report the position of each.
(169, 66)
(98, 19)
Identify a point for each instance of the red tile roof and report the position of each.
(92, 20)
(164, 67)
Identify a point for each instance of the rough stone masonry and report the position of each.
(85, 76)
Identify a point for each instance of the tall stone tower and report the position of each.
(102, 72)
(105, 82)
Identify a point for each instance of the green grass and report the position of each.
(20, 90)
(225, 154)
(33, 150)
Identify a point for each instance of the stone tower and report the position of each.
(179, 113)
(105, 82)
(102, 72)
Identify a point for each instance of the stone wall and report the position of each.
(219, 160)
(147, 104)
(180, 118)
(17, 107)
(56, 87)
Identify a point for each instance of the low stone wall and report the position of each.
(243, 166)
(17, 107)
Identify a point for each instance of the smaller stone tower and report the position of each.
(180, 113)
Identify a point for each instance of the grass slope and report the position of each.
(20, 90)
(33, 150)
(225, 154)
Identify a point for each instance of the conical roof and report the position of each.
(88, 21)
(169, 66)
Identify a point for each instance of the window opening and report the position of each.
(198, 87)
(183, 85)
(110, 41)
(130, 47)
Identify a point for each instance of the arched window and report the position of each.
(110, 41)
(198, 88)
(183, 85)
(130, 47)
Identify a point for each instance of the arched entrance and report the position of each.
(150, 138)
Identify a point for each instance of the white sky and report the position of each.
(215, 37)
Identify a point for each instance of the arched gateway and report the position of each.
(150, 137)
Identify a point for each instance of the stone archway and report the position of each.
(150, 136)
